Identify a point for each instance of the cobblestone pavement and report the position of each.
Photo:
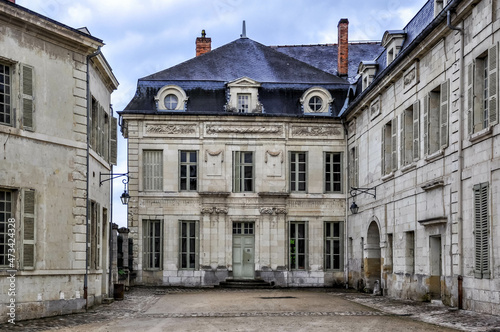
(140, 299)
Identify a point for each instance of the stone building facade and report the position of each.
(423, 140)
(50, 77)
(236, 166)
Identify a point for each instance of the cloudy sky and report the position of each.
(146, 36)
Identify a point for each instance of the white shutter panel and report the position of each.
(493, 85)
(481, 231)
(382, 155)
(470, 98)
(28, 229)
(426, 124)
(394, 144)
(416, 130)
(27, 83)
(113, 142)
(403, 149)
(443, 118)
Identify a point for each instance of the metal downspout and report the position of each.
(85, 279)
(459, 164)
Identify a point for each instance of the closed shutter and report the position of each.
(493, 85)
(416, 130)
(153, 170)
(113, 143)
(426, 124)
(382, 154)
(481, 232)
(402, 142)
(27, 82)
(470, 98)
(394, 144)
(28, 229)
(443, 117)
(97, 238)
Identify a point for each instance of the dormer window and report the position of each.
(171, 98)
(367, 70)
(393, 41)
(243, 96)
(316, 100)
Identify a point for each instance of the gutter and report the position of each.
(89, 98)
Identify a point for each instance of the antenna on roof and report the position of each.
(244, 31)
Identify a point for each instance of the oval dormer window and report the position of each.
(317, 101)
(171, 98)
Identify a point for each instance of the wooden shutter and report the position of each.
(426, 123)
(470, 98)
(356, 166)
(27, 83)
(28, 229)
(382, 154)
(443, 117)
(97, 238)
(402, 141)
(416, 130)
(481, 231)
(394, 144)
(153, 170)
(493, 85)
(113, 142)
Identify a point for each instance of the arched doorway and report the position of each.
(373, 261)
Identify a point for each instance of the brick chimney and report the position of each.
(13, 1)
(203, 44)
(343, 48)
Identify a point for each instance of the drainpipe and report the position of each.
(460, 164)
(346, 188)
(89, 98)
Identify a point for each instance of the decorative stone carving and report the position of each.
(221, 210)
(273, 154)
(280, 210)
(207, 210)
(217, 129)
(170, 129)
(316, 131)
(266, 210)
(213, 154)
(410, 77)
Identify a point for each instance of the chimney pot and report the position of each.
(343, 48)
(203, 44)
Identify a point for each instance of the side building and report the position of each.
(236, 166)
(51, 77)
(423, 144)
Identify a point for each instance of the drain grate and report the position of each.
(277, 297)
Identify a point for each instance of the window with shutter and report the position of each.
(394, 144)
(492, 117)
(28, 228)
(416, 130)
(27, 96)
(470, 97)
(389, 147)
(443, 117)
(353, 167)
(481, 231)
(152, 170)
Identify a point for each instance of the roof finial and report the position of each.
(244, 30)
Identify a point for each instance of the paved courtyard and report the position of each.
(177, 309)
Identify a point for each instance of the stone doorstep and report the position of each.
(108, 300)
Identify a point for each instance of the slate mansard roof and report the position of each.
(284, 72)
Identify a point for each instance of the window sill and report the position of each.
(388, 176)
(408, 167)
(481, 134)
(436, 155)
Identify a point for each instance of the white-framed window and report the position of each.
(243, 102)
(298, 245)
(316, 100)
(152, 168)
(333, 172)
(410, 134)
(6, 116)
(436, 119)
(389, 147)
(482, 91)
(481, 231)
(189, 245)
(246, 228)
(153, 244)
(188, 170)
(8, 230)
(334, 246)
(171, 98)
(298, 171)
(243, 171)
